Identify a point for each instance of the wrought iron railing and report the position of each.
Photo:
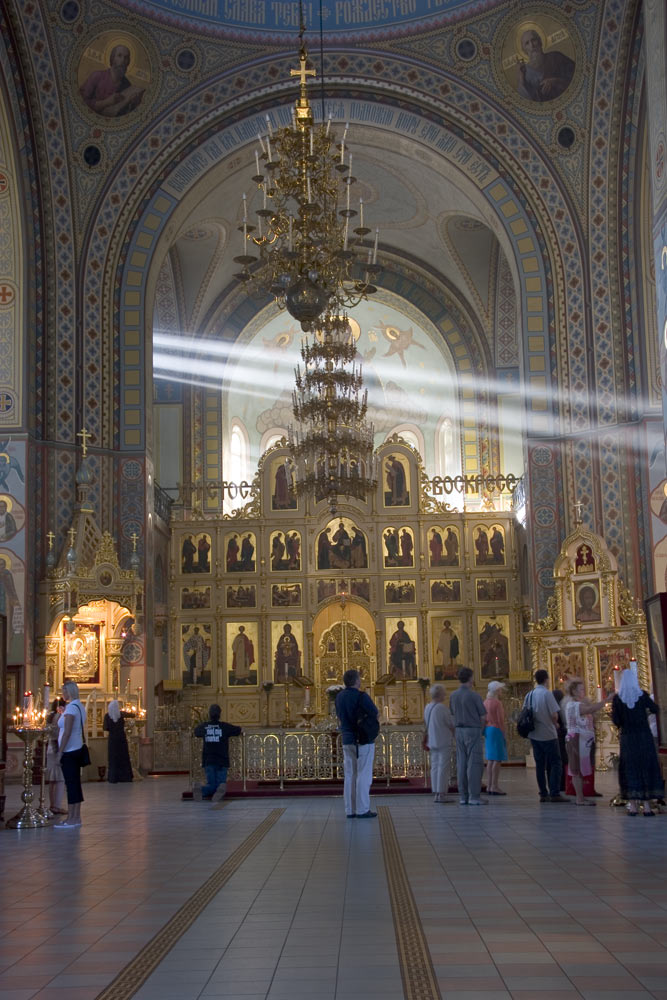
(162, 503)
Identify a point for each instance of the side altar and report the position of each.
(593, 628)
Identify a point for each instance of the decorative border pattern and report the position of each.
(419, 979)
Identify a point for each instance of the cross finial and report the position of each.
(72, 536)
(134, 537)
(84, 435)
(302, 72)
(51, 539)
(578, 507)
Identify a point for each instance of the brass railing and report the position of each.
(289, 756)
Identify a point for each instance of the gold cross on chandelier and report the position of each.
(302, 72)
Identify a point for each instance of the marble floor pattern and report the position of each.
(516, 899)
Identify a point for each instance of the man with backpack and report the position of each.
(544, 739)
(358, 717)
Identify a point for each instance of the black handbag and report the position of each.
(525, 724)
(84, 752)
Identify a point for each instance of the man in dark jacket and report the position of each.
(357, 758)
(215, 755)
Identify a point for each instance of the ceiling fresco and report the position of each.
(408, 370)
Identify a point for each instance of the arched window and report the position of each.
(410, 433)
(271, 437)
(447, 451)
(237, 470)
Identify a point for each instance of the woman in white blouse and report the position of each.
(71, 727)
(580, 736)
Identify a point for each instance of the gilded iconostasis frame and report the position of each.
(286, 574)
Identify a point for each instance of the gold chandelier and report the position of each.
(304, 252)
(332, 445)
(303, 249)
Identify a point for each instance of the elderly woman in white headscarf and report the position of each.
(639, 771)
(120, 768)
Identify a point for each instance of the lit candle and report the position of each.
(347, 201)
(306, 700)
(328, 124)
(257, 161)
(350, 165)
(268, 148)
(264, 190)
(261, 142)
(345, 243)
(268, 126)
(617, 678)
(361, 213)
(245, 207)
(375, 247)
(598, 693)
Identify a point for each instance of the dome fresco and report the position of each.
(339, 16)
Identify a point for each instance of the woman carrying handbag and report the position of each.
(71, 727)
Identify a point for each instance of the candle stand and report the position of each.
(287, 722)
(405, 718)
(42, 809)
(307, 715)
(28, 818)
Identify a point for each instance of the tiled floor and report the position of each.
(517, 899)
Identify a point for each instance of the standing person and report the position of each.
(494, 736)
(357, 757)
(214, 755)
(118, 760)
(544, 739)
(580, 736)
(561, 730)
(638, 771)
(469, 718)
(70, 740)
(438, 740)
(54, 773)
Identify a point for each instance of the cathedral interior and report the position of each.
(510, 197)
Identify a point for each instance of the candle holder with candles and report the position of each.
(29, 727)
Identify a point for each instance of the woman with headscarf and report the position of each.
(119, 766)
(638, 771)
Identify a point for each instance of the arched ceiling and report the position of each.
(425, 216)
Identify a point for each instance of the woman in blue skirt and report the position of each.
(494, 737)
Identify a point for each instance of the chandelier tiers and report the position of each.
(333, 447)
(302, 248)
